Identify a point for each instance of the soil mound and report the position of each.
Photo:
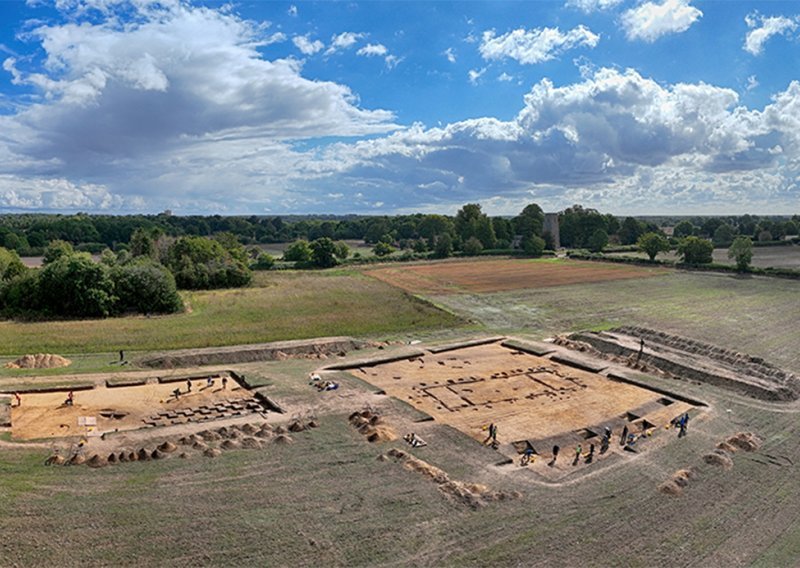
(168, 447)
(251, 443)
(39, 361)
(112, 458)
(473, 495)
(682, 477)
(249, 429)
(280, 430)
(264, 434)
(313, 424)
(133, 456)
(77, 459)
(200, 446)
(122, 457)
(157, 454)
(382, 434)
(55, 460)
(670, 488)
(726, 447)
(297, 426)
(746, 441)
(183, 455)
(143, 454)
(212, 453)
(719, 458)
(230, 445)
(284, 440)
(97, 461)
(210, 435)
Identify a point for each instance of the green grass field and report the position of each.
(278, 306)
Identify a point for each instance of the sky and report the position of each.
(631, 107)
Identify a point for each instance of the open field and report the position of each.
(755, 315)
(763, 257)
(279, 306)
(333, 498)
(483, 276)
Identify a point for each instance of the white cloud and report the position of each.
(505, 77)
(762, 28)
(752, 83)
(615, 139)
(372, 50)
(450, 54)
(588, 6)
(306, 46)
(650, 21)
(343, 41)
(475, 74)
(535, 46)
(292, 11)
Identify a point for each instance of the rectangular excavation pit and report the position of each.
(528, 397)
(46, 414)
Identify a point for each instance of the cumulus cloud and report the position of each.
(140, 108)
(762, 28)
(372, 50)
(343, 41)
(650, 21)
(535, 46)
(615, 137)
(306, 46)
(450, 54)
(475, 74)
(589, 6)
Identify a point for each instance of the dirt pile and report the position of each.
(719, 458)
(746, 441)
(675, 484)
(372, 426)
(298, 349)
(473, 495)
(683, 358)
(39, 361)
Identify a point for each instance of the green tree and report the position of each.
(383, 249)
(741, 250)
(10, 264)
(55, 250)
(630, 231)
(533, 245)
(444, 246)
(264, 261)
(694, 250)
(653, 243)
(342, 250)
(146, 287)
(723, 235)
(683, 229)
(323, 253)
(597, 241)
(298, 251)
(472, 246)
(75, 285)
(142, 244)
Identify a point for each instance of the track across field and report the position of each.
(484, 276)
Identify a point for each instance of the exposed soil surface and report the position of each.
(694, 360)
(39, 361)
(503, 275)
(320, 348)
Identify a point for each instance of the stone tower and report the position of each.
(551, 226)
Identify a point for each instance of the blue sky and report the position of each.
(628, 106)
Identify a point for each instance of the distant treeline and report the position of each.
(29, 234)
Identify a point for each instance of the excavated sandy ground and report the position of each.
(527, 397)
(45, 415)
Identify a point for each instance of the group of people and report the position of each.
(316, 381)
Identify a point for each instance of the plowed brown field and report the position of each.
(503, 275)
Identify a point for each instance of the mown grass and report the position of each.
(278, 306)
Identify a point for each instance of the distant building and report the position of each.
(551, 226)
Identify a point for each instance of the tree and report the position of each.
(630, 231)
(264, 261)
(142, 244)
(146, 287)
(533, 245)
(653, 243)
(75, 285)
(529, 222)
(577, 225)
(383, 249)
(472, 246)
(683, 229)
(694, 250)
(10, 264)
(723, 235)
(598, 241)
(298, 251)
(342, 250)
(55, 250)
(323, 253)
(742, 251)
(444, 246)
